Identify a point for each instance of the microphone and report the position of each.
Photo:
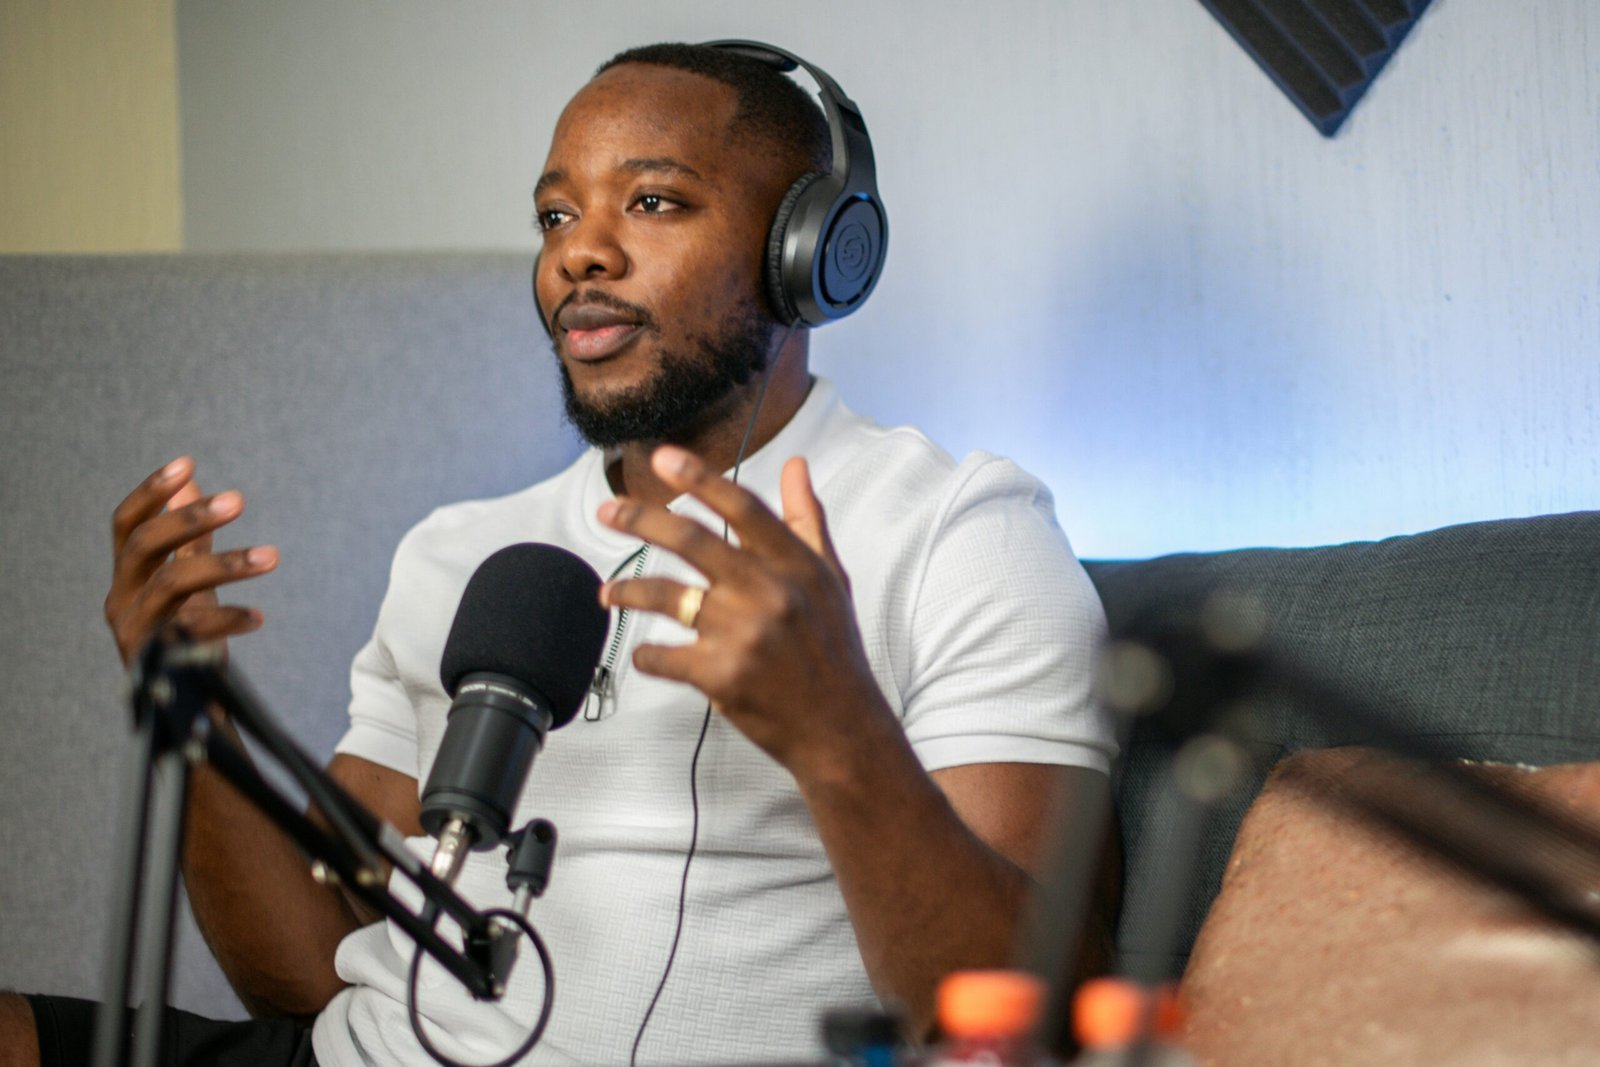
(521, 654)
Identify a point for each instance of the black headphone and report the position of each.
(828, 240)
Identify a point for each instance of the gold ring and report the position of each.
(689, 602)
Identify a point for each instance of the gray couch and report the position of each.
(346, 395)
(1483, 638)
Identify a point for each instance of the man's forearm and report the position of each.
(272, 928)
(926, 895)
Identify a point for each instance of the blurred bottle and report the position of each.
(989, 1018)
(864, 1037)
(1121, 1023)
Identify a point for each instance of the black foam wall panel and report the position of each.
(1322, 53)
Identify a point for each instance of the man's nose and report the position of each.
(591, 250)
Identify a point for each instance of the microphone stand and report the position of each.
(172, 685)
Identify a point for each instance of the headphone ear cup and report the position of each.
(852, 255)
(783, 303)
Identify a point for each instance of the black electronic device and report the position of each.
(829, 237)
(173, 682)
(519, 659)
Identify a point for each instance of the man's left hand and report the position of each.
(777, 650)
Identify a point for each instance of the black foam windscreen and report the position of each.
(531, 612)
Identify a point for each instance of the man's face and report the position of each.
(654, 224)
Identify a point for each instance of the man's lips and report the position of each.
(599, 342)
(593, 331)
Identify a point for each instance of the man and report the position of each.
(864, 761)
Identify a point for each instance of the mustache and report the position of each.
(601, 298)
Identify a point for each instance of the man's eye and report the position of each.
(652, 204)
(551, 218)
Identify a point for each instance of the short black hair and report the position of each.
(771, 107)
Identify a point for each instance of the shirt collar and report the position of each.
(759, 472)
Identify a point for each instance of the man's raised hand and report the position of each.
(163, 565)
(777, 650)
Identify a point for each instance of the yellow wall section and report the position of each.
(89, 126)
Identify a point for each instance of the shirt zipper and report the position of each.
(603, 688)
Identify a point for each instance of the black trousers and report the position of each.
(66, 1038)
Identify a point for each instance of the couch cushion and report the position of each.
(1484, 636)
(1334, 941)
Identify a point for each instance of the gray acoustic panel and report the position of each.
(345, 395)
(1324, 54)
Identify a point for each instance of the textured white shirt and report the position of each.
(980, 627)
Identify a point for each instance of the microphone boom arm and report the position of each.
(361, 843)
(171, 687)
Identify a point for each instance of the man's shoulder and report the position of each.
(854, 446)
(900, 469)
(904, 453)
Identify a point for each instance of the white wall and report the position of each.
(1118, 253)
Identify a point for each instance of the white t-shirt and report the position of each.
(980, 627)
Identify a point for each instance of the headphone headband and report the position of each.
(853, 164)
(827, 244)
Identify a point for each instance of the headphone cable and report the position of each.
(700, 743)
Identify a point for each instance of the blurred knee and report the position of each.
(19, 1041)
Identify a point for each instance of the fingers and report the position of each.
(803, 514)
(179, 579)
(760, 532)
(186, 529)
(170, 593)
(662, 596)
(146, 501)
(758, 528)
(777, 618)
(699, 547)
(680, 663)
(189, 493)
(164, 567)
(213, 624)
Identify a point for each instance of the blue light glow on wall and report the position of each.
(1119, 254)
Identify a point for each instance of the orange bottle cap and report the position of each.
(1111, 1012)
(992, 1003)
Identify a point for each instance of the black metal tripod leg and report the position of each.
(160, 904)
(110, 1024)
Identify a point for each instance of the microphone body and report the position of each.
(497, 726)
(520, 656)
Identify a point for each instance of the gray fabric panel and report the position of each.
(347, 394)
(344, 395)
(1483, 636)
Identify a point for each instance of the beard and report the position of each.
(684, 395)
